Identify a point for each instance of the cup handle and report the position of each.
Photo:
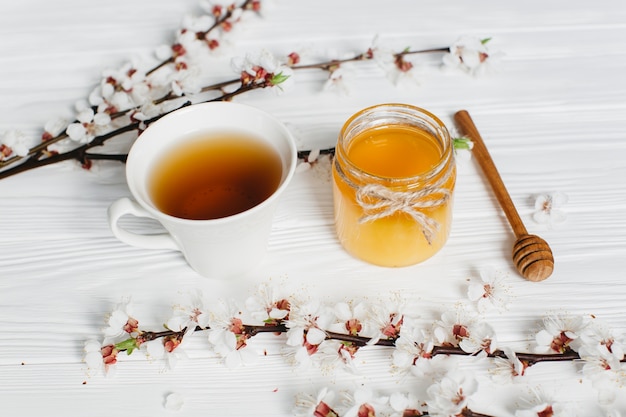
(125, 206)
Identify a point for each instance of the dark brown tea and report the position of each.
(215, 176)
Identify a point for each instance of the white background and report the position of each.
(553, 116)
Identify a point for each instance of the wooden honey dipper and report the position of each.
(531, 254)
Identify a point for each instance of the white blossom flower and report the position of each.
(599, 338)
(490, 293)
(228, 337)
(197, 23)
(186, 317)
(93, 356)
(383, 56)
(120, 322)
(480, 341)
(320, 405)
(186, 79)
(404, 73)
(100, 357)
(64, 145)
(339, 80)
(560, 334)
(454, 326)
(249, 64)
(174, 402)
(397, 67)
(89, 124)
(413, 351)
(219, 8)
(601, 366)
(364, 402)
(190, 315)
(507, 369)
(609, 388)
(349, 318)
(170, 350)
(267, 306)
(146, 112)
(307, 325)
(612, 412)
(53, 128)
(548, 208)
(194, 39)
(122, 89)
(471, 55)
(163, 52)
(387, 318)
(308, 161)
(353, 317)
(181, 76)
(449, 396)
(602, 354)
(327, 356)
(15, 142)
(262, 67)
(404, 404)
(540, 405)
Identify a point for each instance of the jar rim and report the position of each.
(421, 118)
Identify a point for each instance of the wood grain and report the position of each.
(532, 255)
(555, 104)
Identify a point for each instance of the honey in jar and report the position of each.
(393, 185)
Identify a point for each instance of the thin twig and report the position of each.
(38, 157)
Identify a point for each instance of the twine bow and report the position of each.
(379, 202)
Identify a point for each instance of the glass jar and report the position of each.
(393, 185)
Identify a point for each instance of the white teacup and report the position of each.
(216, 247)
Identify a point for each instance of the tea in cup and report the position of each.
(212, 175)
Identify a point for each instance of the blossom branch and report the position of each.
(528, 358)
(253, 330)
(368, 55)
(80, 154)
(93, 120)
(222, 21)
(318, 333)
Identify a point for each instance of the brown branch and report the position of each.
(201, 35)
(360, 341)
(219, 86)
(365, 57)
(327, 151)
(80, 153)
(106, 157)
(466, 412)
(35, 160)
(253, 330)
(160, 65)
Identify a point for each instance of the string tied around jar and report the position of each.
(378, 201)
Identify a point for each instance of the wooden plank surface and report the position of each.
(553, 116)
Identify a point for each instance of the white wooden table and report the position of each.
(553, 116)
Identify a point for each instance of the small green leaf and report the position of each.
(278, 78)
(127, 345)
(462, 143)
(484, 41)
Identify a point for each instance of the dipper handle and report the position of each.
(531, 254)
